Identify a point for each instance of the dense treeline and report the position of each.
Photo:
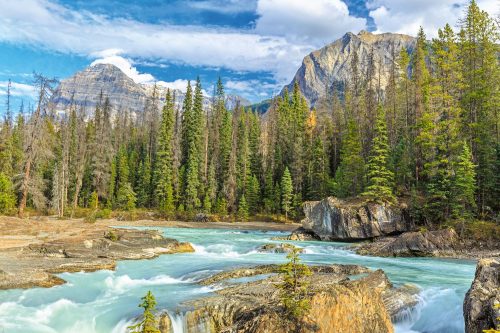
(430, 139)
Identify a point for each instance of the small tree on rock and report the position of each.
(148, 324)
(293, 289)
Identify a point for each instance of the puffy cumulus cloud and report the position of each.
(407, 16)
(125, 65)
(316, 22)
(178, 84)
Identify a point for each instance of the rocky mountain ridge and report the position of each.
(84, 90)
(330, 67)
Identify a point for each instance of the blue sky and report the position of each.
(256, 46)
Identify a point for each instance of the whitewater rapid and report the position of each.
(106, 301)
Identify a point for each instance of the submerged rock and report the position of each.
(278, 248)
(338, 303)
(300, 234)
(482, 301)
(335, 219)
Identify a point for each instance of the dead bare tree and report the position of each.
(35, 145)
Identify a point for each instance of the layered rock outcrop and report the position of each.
(34, 265)
(482, 301)
(330, 66)
(335, 219)
(338, 303)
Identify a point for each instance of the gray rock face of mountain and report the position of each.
(84, 89)
(331, 65)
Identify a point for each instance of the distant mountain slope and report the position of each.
(330, 65)
(84, 89)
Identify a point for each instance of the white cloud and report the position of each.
(17, 89)
(252, 88)
(125, 65)
(407, 16)
(48, 24)
(316, 22)
(178, 84)
(239, 85)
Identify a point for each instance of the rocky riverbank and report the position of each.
(344, 298)
(438, 243)
(482, 301)
(31, 252)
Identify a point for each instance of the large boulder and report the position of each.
(335, 219)
(482, 301)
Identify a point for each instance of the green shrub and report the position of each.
(7, 197)
(104, 213)
(111, 235)
(91, 217)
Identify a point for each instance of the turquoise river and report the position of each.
(106, 301)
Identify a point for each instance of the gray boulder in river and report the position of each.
(482, 301)
(335, 219)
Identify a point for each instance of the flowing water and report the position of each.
(106, 301)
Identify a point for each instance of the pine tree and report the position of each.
(286, 192)
(243, 208)
(349, 177)
(464, 185)
(441, 136)
(164, 191)
(293, 289)
(149, 323)
(480, 97)
(126, 198)
(192, 127)
(317, 171)
(380, 177)
(254, 195)
(422, 119)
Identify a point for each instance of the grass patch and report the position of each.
(477, 229)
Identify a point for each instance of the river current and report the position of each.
(106, 301)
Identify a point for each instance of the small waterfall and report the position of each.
(178, 323)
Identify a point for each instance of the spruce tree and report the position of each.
(286, 192)
(192, 127)
(293, 288)
(478, 54)
(149, 323)
(243, 208)
(253, 194)
(380, 177)
(349, 177)
(464, 185)
(164, 191)
(317, 171)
